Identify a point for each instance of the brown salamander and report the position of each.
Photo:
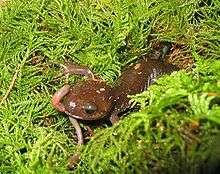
(94, 99)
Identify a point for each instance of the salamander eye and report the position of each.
(90, 108)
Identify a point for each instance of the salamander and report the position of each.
(93, 99)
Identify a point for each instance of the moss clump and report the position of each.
(173, 133)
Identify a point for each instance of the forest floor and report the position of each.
(177, 127)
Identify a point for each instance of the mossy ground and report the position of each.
(179, 120)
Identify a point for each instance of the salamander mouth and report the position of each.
(73, 116)
(84, 118)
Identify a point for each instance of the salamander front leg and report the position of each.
(57, 97)
(75, 159)
(70, 68)
(114, 118)
(78, 130)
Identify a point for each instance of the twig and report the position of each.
(11, 85)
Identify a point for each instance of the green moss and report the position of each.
(179, 115)
(171, 131)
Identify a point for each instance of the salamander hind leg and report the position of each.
(160, 51)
